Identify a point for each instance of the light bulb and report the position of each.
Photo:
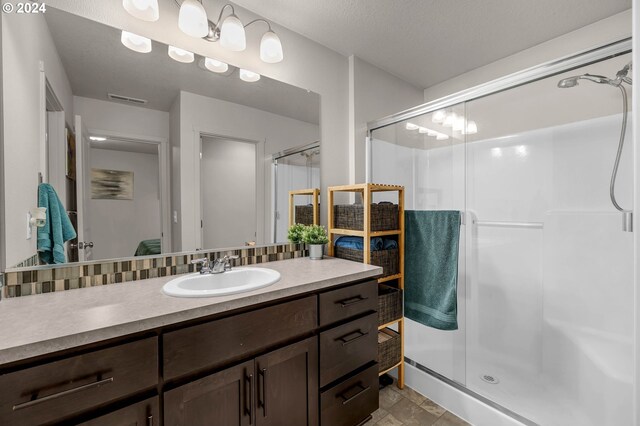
(423, 130)
(411, 126)
(97, 138)
(472, 128)
(439, 116)
(249, 76)
(450, 120)
(147, 10)
(135, 42)
(431, 133)
(232, 35)
(215, 65)
(442, 137)
(458, 124)
(271, 48)
(192, 19)
(180, 55)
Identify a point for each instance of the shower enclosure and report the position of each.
(297, 168)
(545, 286)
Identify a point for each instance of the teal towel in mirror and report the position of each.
(57, 229)
(431, 267)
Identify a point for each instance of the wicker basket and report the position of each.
(304, 215)
(384, 217)
(387, 259)
(389, 304)
(388, 349)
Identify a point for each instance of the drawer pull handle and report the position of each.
(346, 341)
(351, 301)
(351, 398)
(262, 394)
(249, 404)
(150, 421)
(33, 402)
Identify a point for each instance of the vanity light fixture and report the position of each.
(249, 76)
(439, 116)
(450, 120)
(429, 132)
(181, 55)
(136, 42)
(411, 126)
(230, 31)
(214, 65)
(459, 124)
(146, 10)
(471, 128)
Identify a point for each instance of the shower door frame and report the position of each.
(528, 75)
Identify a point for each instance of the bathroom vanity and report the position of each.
(301, 352)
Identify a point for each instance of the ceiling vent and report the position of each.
(122, 98)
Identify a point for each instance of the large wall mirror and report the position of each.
(148, 153)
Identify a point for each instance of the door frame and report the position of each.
(198, 190)
(164, 176)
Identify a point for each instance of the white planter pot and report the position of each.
(315, 251)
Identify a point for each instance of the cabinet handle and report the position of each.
(351, 301)
(262, 395)
(346, 341)
(249, 405)
(351, 398)
(63, 393)
(150, 421)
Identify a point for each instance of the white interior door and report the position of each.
(228, 187)
(83, 182)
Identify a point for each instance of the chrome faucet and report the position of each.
(223, 264)
(217, 266)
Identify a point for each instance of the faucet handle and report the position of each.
(226, 260)
(200, 261)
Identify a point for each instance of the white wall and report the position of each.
(599, 33)
(636, 203)
(176, 217)
(373, 93)
(200, 114)
(307, 64)
(120, 118)
(26, 42)
(118, 226)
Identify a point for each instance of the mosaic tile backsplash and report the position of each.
(70, 276)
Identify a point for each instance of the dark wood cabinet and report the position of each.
(224, 398)
(144, 413)
(297, 362)
(276, 389)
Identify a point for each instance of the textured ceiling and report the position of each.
(97, 63)
(428, 41)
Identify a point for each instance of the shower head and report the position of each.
(573, 81)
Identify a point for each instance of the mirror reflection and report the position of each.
(146, 153)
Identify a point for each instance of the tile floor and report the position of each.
(407, 407)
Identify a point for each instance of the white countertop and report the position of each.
(45, 323)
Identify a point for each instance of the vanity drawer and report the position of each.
(348, 302)
(230, 339)
(348, 347)
(351, 401)
(53, 391)
(144, 413)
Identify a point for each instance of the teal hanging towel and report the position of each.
(431, 267)
(57, 229)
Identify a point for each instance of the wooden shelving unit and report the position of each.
(367, 190)
(315, 194)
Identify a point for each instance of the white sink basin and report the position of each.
(237, 280)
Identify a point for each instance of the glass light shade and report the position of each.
(135, 42)
(192, 19)
(450, 120)
(249, 76)
(146, 10)
(439, 116)
(423, 130)
(180, 55)
(472, 128)
(431, 133)
(458, 124)
(442, 137)
(232, 35)
(271, 48)
(411, 126)
(214, 65)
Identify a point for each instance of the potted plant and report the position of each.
(295, 233)
(315, 236)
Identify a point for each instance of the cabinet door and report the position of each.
(224, 398)
(287, 385)
(143, 413)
